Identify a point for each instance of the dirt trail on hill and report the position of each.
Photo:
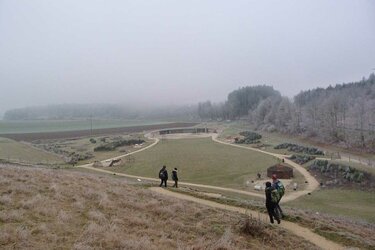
(303, 232)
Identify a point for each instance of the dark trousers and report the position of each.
(278, 210)
(175, 183)
(271, 209)
(163, 181)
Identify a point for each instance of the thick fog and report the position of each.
(177, 52)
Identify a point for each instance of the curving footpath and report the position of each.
(311, 185)
(296, 229)
(303, 232)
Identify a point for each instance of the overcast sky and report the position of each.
(177, 52)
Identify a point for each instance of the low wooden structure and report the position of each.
(183, 130)
(281, 171)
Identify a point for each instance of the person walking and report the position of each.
(279, 186)
(175, 177)
(271, 201)
(163, 175)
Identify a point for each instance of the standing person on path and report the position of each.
(279, 186)
(163, 175)
(271, 201)
(174, 177)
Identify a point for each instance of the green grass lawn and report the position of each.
(200, 161)
(15, 151)
(348, 203)
(268, 139)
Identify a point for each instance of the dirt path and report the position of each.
(89, 166)
(292, 227)
(303, 232)
(312, 183)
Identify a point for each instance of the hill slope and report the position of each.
(45, 209)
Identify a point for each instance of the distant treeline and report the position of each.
(99, 111)
(238, 104)
(343, 114)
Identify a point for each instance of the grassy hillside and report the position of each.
(200, 161)
(15, 151)
(355, 204)
(50, 209)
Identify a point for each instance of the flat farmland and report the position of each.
(39, 126)
(200, 161)
(89, 132)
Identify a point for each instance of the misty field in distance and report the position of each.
(36, 126)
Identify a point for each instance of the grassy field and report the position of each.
(87, 211)
(201, 161)
(7, 127)
(18, 152)
(272, 139)
(83, 146)
(348, 203)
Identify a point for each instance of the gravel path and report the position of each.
(294, 228)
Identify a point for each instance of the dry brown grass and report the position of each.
(57, 209)
(344, 230)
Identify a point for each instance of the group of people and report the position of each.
(163, 176)
(274, 192)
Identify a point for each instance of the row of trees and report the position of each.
(238, 104)
(343, 114)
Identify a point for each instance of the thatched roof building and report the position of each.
(282, 171)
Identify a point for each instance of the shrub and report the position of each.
(253, 227)
(249, 137)
(113, 145)
(301, 159)
(299, 149)
(346, 172)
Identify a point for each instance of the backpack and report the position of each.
(275, 195)
(161, 175)
(280, 188)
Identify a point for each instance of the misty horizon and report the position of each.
(164, 53)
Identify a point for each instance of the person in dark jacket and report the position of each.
(271, 203)
(279, 186)
(163, 175)
(174, 177)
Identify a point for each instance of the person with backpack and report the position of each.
(163, 175)
(279, 186)
(174, 177)
(272, 197)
